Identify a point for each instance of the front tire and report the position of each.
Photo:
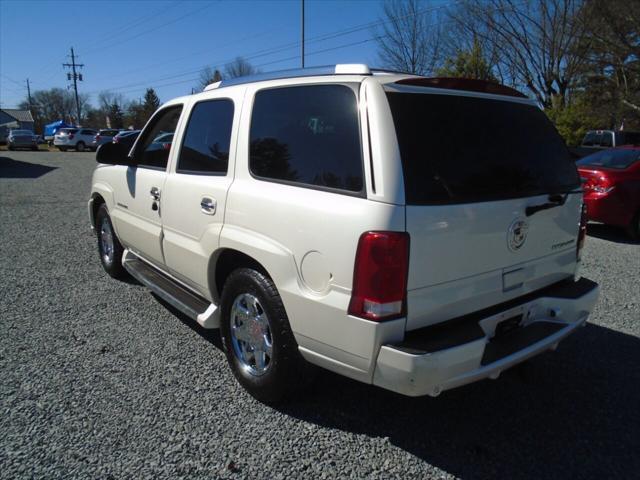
(62, 149)
(257, 338)
(109, 246)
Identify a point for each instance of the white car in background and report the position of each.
(78, 139)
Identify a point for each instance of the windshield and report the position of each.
(619, 159)
(460, 149)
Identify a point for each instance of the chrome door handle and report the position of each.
(155, 193)
(208, 206)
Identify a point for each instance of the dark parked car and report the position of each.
(103, 136)
(596, 140)
(611, 183)
(127, 138)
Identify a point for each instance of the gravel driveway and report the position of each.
(98, 379)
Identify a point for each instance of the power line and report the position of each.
(278, 49)
(129, 25)
(111, 45)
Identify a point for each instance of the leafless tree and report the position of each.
(239, 68)
(208, 75)
(409, 37)
(106, 99)
(537, 42)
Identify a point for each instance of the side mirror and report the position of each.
(112, 154)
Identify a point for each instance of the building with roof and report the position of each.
(14, 119)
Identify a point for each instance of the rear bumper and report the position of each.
(608, 208)
(467, 349)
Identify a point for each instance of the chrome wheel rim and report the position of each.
(106, 242)
(251, 335)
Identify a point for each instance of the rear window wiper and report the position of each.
(555, 200)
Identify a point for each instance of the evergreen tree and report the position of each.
(468, 64)
(150, 104)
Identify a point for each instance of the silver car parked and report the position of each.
(22, 139)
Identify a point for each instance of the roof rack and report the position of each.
(339, 69)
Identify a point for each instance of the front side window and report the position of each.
(205, 148)
(307, 135)
(155, 144)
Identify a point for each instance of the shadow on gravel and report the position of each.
(10, 168)
(569, 414)
(210, 335)
(610, 233)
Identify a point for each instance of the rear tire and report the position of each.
(80, 147)
(257, 338)
(109, 247)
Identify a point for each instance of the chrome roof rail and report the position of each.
(339, 69)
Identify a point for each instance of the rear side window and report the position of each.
(309, 136)
(458, 149)
(205, 148)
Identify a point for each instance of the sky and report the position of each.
(127, 46)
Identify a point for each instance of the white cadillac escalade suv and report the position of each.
(414, 233)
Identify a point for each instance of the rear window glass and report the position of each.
(458, 149)
(610, 159)
(307, 136)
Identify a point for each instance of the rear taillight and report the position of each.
(599, 183)
(97, 137)
(116, 140)
(166, 146)
(380, 276)
(582, 230)
(71, 135)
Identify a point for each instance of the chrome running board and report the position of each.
(190, 303)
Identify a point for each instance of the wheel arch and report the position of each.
(223, 263)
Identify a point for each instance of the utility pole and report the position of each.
(29, 94)
(76, 77)
(302, 33)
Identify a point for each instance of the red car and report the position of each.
(611, 183)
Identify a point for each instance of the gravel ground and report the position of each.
(98, 379)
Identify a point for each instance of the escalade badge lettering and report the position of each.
(517, 234)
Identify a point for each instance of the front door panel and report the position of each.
(136, 219)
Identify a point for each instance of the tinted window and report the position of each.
(590, 139)
(205, 148)
(459, 149)
(610, 159)
(307, 135)
(628, 138)
(152, 150)
(607, 139)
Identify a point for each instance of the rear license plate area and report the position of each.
(507, 326)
